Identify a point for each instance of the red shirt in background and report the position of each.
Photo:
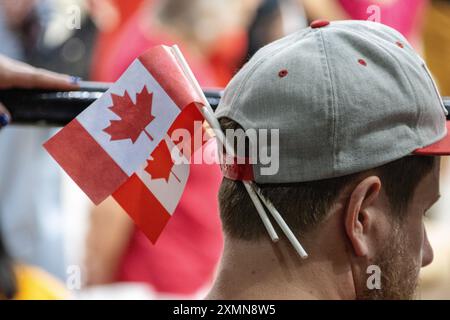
(226, 57)
(133, 41)
(106, 40)
(403, 15)
(186, 255)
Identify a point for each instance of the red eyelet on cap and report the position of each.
(319, 23)
(283, 73)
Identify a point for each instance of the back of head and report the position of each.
(358, 124)
(304, 205)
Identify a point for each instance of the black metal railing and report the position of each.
(57, 108)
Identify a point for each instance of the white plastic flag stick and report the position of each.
(283, 225)
(210, 118)
(208, 113)
(262, 213)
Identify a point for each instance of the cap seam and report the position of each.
(433, 85)
(243, 82)
(333, 103)
(273, 53)
(435, 140)
(411, 87)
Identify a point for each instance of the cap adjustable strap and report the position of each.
(237, 171)
(253, 190)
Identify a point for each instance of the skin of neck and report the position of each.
(261, 269)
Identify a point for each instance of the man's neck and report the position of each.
(263, 270)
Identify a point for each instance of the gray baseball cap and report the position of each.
(346, 96)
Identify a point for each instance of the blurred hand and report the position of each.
(16, 74)
(21, 75)
(4, 116)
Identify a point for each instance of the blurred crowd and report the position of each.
(61, 246)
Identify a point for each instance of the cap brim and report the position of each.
(440, 148)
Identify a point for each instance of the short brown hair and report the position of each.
(304, 205)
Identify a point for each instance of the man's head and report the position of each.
(379, 211)
(360, 126)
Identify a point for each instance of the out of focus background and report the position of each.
(58, 240)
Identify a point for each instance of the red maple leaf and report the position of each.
(160, 167)
(134, 118)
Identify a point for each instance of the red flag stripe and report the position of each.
(86, 162)
(186, 120)
(143, 207)
(138, 201)
(162, 65)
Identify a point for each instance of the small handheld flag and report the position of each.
(121, 144)
(109, 141)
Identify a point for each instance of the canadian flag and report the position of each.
(110, 142)
(151, 195)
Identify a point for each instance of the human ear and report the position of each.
(359, 216)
